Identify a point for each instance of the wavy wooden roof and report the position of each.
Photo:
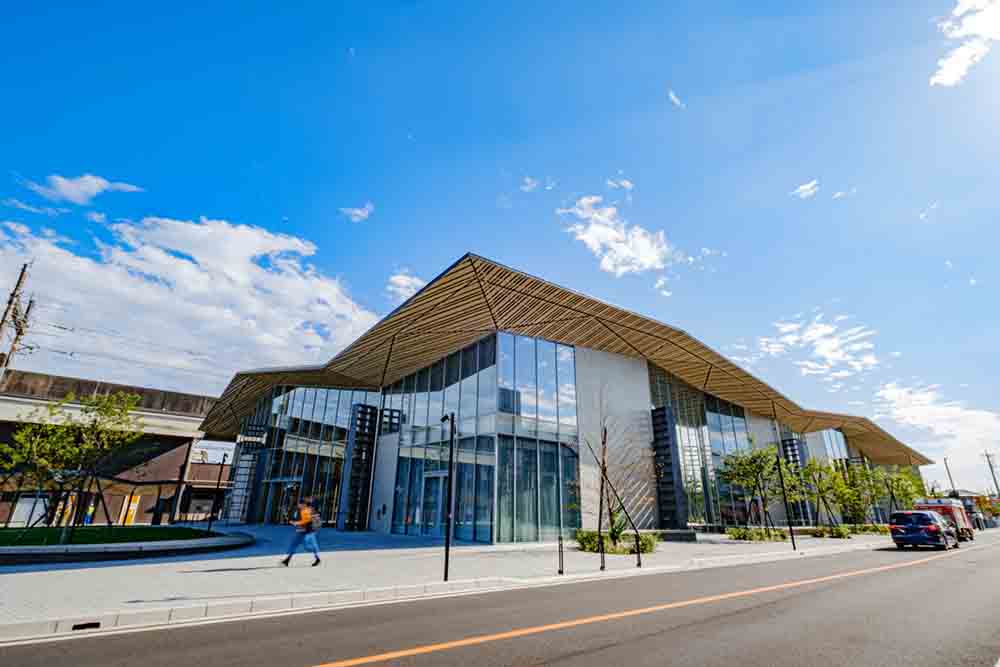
(476, 296)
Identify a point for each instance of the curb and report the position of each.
(104, 623)
(76, 553)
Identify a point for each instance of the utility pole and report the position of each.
(993, 473)
(948, 470)
(20, 328)
(15, 296)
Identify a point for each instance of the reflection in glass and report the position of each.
(548, 510)
(526, 490)
(505, 488)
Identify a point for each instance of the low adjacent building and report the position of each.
(141, 483)
(533, 378)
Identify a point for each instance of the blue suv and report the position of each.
(922, 528)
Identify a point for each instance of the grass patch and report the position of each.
(99, 535)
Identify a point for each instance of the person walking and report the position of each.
(305, 531)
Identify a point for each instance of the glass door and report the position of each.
(433, 503)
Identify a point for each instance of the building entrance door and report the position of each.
(432, 510)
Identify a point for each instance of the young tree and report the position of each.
(820, 482)
(756, 471)
(903, 490)
(57, 448)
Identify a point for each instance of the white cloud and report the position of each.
(844, 194)
(402, 285)
(661, 284)
(973, 282)
(896, 354)
(359, 214)
(926, 213)
(97, 217)
(39, 210)
(948, 265)
(529, 184)
(80, 190)
(832, 352)
(977, 24)
(941, 427)
(621, 248)
(622, 183)
(806, 190)
(676, 101)
(550, 184)
(179, 304)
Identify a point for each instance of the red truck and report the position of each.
(951, 509)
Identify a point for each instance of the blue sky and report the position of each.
(264, 182)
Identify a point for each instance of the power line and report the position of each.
(75, 354)
(114, 334)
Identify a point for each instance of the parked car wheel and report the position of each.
(900, 546)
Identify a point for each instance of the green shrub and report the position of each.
(869, 529)
(756, 534)
(839, 532)
(587, 539)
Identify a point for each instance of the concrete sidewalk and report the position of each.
(352, 563)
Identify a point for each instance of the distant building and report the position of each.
(141, 484)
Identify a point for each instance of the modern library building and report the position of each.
(529, 378)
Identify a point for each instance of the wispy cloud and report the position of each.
(80, 190)
(976, 23)
(661, 286)
(806, 190)
(844, 194)
(926, 213)
(622, 248)
(402, 285)
(676, 101)
(529, 184)
(948, 265)
(973, 282)
(38, 210)
(820, 348)
(622, 183)
(359, 214)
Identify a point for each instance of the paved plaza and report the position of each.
(351, 561)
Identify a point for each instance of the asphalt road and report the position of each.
(883, 607)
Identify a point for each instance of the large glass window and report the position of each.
(508, 398)
(487, 384)
(465, 489)
(468, 398)
(420, 407)
(485, 463)
(436, 402)
(566, 376)
(526, 490)
(548, 490)
(525, 379)
(505, 488)
(548, 399)
(570, 462)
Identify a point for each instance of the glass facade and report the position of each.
(299, 454)
(708, 430)
(516, 454)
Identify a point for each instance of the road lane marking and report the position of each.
(629, 613)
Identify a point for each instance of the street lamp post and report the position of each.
(215, 498)
(450, 418)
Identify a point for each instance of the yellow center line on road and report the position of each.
(589, 620)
